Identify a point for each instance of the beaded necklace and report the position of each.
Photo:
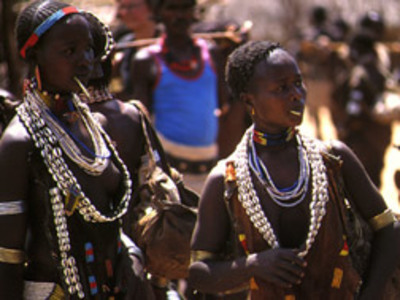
(284, 197)
(251, 203)
(185, 65)
(31, 113)
(94, 164)
(58, 106)
(267, 139)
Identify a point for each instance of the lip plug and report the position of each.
(296, 113)
(83, 88)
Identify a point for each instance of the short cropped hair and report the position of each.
(242, 62)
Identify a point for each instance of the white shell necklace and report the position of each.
(251, 203)
(31, 114)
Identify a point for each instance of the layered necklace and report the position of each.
(50, 138)
(284, 197)
(265, 139)
(310, 159)
(96, 162)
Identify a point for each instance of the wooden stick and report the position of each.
(235, 36)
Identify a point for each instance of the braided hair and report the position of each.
(103, 45)
(102, 36)
(242, 62)
(32, 16)
(39, 11)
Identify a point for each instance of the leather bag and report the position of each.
(169, 209)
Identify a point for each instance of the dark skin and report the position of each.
(121, 120)
(64, 52)
(177, 17)
(277, 95)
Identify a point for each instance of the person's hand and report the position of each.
(281, 267)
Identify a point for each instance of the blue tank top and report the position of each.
(184, 108)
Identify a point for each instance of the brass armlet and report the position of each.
(11, 256)
(201, 255)
(382, 220)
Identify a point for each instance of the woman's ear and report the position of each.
(248, 101)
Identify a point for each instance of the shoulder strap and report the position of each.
(188, 197)
(152, 141)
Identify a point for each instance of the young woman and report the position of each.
(280, 191)
(65, 181)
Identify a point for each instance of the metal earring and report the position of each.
(38, 80)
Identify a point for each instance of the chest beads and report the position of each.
(52, 139)
(310, 158)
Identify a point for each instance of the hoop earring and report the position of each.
(38, 79)
(253, 111)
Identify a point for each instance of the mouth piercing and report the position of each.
(83, 88)
(296, 113)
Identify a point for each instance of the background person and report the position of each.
(135, 22)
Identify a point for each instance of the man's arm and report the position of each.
(144, 76)
(223, 94)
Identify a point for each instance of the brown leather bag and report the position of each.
(170, 211)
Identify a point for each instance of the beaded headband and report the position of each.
(46, 25)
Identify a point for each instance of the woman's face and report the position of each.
(276, 93)
(134, 13)
(65, 52)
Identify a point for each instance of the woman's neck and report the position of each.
(273, 139)
(61, 105)
(180, 43)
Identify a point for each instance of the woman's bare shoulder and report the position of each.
(15, 147)
(15, 138)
